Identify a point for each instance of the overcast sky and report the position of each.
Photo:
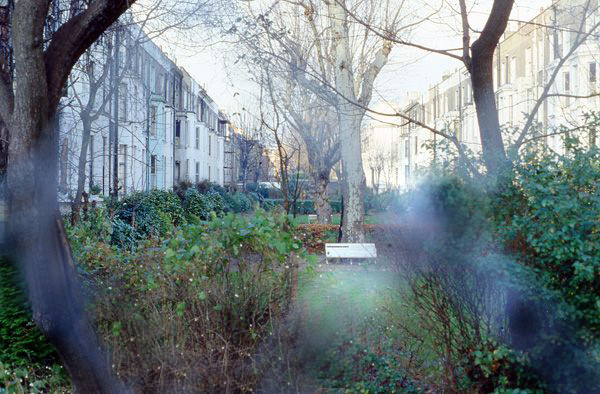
(409, 70)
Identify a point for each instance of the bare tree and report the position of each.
(315, 122)
(477, 57)
(315, 44)
(27, 107)
(247, 144)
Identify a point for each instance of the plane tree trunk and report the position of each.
(322, 206)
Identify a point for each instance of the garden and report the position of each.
(474, 290)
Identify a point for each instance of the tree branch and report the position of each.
(381, 58)
(74, 37)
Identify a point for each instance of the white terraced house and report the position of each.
(143, 122)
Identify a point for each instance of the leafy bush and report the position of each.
(550, 217)
(34, 379)
(187, 314)
(357, 369)
(238, 202)
(202, 205)
(523, 312)
(142, 215)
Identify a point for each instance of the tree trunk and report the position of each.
(481, 68)
(322, 206)
(354, 176)
(484, 96)
(41, 249)
(85, 142)
(350, 117)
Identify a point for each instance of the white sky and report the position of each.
(409, 70)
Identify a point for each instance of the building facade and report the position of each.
(149, 125)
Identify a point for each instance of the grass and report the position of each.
(369, 219)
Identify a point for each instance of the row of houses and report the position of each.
(529, 54)
(135, 121)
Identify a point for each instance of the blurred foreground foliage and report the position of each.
(506, 288)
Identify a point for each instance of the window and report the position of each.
(406, 148)
(123, 102)
(123, 168)
(197, 137)
(153, 171)
(592, 68)
(209, 174)
(209, 145)
(178, 133)
(64, 163)
(567, 81)
(91, 161)
(197, 172)
(153, 120)
(513, 69)
(187, 169)
(406, 172)
(416, 145)
(506, 70)
(103, 163)
(557, 44)
(164, 171)
(186, 133)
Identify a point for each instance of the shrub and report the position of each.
(202, 205)
(549, 217)
(142, 215)
(358, 369)
(187, 315)
(34, 379)
(237, 202)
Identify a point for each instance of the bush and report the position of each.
(549, 216)
(237, 202)
(202, 205)
(142, 215)
(187, 315)
(34, 379)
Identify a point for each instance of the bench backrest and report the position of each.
(350, 251)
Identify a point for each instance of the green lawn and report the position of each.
(352, 314)
(369, 219)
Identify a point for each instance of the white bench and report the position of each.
(350, 251)
(311, 218)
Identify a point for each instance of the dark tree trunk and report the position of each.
(487, 113)
(81, 164)
(322, 206)
(481, 67)
(39, 243)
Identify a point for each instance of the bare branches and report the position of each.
(368, 79)
(466, 34)
(580, 38)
